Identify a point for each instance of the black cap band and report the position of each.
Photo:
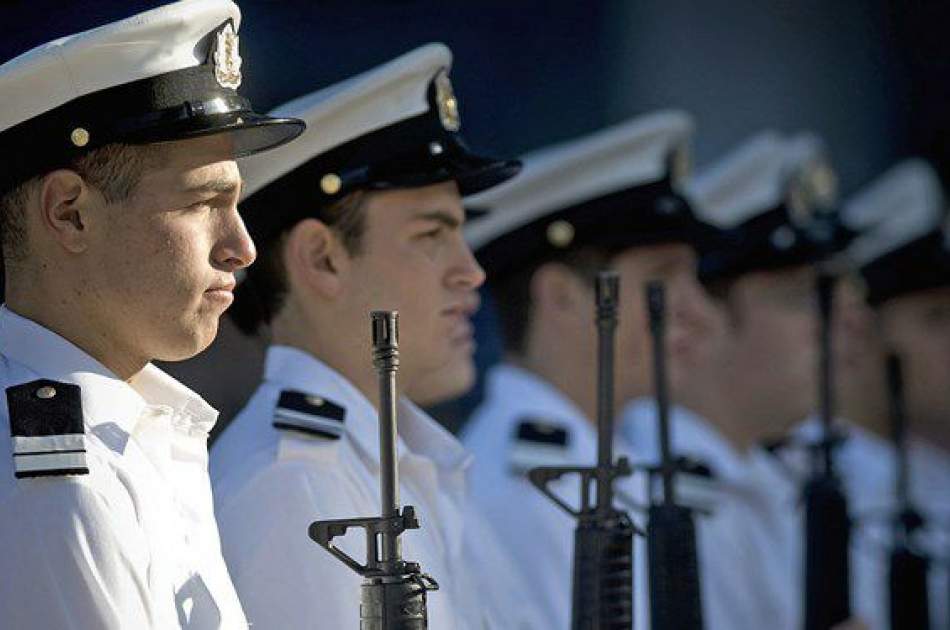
(768, 242)
(918, 266)
(646, 214)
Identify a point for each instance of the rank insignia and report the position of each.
(446, 102)
(310, 414)
(537, 442)
(46, 426)
(227, 58)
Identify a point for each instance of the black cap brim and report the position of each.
(640, 216)
(472, 172)
(248, 131)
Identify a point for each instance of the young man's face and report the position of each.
(690, 325)
(162, 266)
(414, 259)
(771, 349)
(450, 381)
(917, 327)
(858, 349)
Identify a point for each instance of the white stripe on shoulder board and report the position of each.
(302, 415)
(306, 421)
(48, 443)
(526, 456)
(51, 461)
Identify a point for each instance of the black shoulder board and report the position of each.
(694, 467)
(47, 429)
(309, 414)
(541, 432)
(538, 443)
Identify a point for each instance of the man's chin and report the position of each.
(188, 343)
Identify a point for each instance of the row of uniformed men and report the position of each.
(122, 242)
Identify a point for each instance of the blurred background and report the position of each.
(872, 77)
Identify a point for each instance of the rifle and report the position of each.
(602, 593)
(675, 602)
(827, 524)
(907, 575)
(393, 593)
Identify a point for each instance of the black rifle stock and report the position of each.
(675, 599)
(602, 591)
(827, 523)
(393, 593)
(907, 575)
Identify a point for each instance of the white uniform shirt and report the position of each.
(131, 544)
(866, 464)
(536, 533)
(271, 484)
(742, 587)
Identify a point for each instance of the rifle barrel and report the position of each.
(607, 290)
(386, 360)
(656, 306)
(895, 381)
(825, 286)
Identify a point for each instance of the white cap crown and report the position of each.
(632, 153)
(902, 205)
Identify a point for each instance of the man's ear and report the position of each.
(315, 258)
(64, 199)
(559, 292)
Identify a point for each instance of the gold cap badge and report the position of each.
(227, 58)
(681, 164)
(815, 189)
(446, 102)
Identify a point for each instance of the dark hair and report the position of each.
(261, 295)
(512, 292)
(114, 170)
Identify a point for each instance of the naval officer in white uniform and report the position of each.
(121, 239)
(895, 299)
(765, 196)
(364, 214)
(607, 200)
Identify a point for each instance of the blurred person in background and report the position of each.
(756, 376)
(894, 298)
(610, 200)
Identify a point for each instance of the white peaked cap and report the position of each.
(632, 153)
(387, 94)
(902, 205)
(145, 45)
(756, 177)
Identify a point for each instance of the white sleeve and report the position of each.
(72, 558)
(283, 578)
(537, 538)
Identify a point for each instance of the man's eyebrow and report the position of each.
(444, 217)
(218, 186)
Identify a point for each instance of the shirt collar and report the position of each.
(105, 397)
(423, 435)
(531, 396)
